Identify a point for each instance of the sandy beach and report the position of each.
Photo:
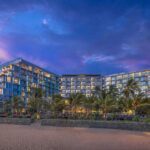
(36, 137)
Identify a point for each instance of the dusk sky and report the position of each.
(77, 36)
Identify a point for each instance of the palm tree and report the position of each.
(87, 103)
(105, 99)
(131, 88)
(132, 96)
(138, 99)
(17, 104)
(36, 101)
(75, 100)
(113, 93)
(114, 96)
(7, 106)
(58, 104)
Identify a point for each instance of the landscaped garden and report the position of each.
(129, 105)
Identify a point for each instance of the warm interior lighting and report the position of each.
(80, 110)
(1, 91)
(66, 102)
(16, 80)
(130, 112)
(23, 110)
(9, 79)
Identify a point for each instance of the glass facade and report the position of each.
(19, 78)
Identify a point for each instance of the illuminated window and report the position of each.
(72, 79)
(23, 94)
(1, 91)
(63, 95)
(131, 75)
(30, 68)
(63, 79)
(119, 77)
(88, 95)
(78, 91)
(92, 87)
(125, 76)
(108, 83)
(16, 80)
(8, 79)
(73, 87)
(47, 75)
(108, 79)
(72, 91)
(1, 79)
(10, 66)
(113, 78)
(28, 89)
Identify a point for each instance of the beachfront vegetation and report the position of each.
(103, 104)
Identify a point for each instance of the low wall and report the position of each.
(138, 126)
(20, 121)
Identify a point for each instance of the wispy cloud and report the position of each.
(97, 58)
(76, 36)
(45, 21)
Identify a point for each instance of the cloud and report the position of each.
(97, 58)
(45, 21)
(103, 36)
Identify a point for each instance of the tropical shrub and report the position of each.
(143, 109)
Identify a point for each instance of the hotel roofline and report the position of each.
(124, 73)
(26, 62)
(76, 75)
(65, 75)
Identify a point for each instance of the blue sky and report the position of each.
(77, 36)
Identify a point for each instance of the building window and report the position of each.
(9, 79)
(131, 75)
(125, 76)
(108, 79)
(1, 91)
(30, 68)
(16, 80)
(1, 79)
(119, 77)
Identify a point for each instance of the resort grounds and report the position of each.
(37, 137)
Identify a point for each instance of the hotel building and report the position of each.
(120, 80)
(79, 83)
(20, 77)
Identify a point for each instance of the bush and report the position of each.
(143, 109)
(136, 118)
